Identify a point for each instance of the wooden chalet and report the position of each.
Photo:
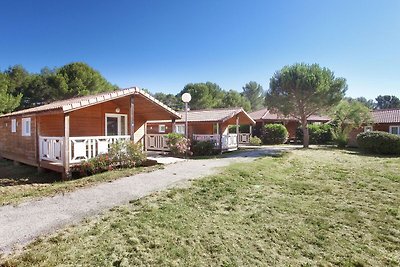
(266, 116)
(209, 124)
(384, 120)
(58, 135)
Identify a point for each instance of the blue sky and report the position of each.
(163, 45)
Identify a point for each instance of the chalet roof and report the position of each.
(386, 115)
(72, 104)
(266, 114)
(212, 115)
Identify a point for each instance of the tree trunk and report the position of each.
(306, 136)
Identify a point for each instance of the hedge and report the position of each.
(379, 142)
(274, 134)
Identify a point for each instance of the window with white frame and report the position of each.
(368, 128)
(26, 126)
(394, 129)
(116, 124)
(180, 128)
(13, 125)
(161, 128)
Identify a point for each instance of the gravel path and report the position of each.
(21, 224)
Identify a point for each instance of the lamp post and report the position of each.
(186, 97)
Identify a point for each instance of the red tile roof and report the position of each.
(266, 114)
(386, 115)
(69, 105)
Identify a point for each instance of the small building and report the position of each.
(208, 124)
(58, 135)
(384, 120)
(266, 116)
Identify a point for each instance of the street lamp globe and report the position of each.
(186, 97)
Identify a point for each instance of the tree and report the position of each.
(301, 90)
(81, 79)
(233, 99)
(255, 94)
(349, 115)
(170, 100)
(8, 102)
(387, 101)
(368, 103)
(204, 95)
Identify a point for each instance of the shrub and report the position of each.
(125, 154)
(274, 134)
(203, 148)
(255, 141)
(320, 134)
(379, 142)
(242, 128)
(341, 139)
(178, 144)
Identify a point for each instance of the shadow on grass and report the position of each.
(11, 175)
(357, 151)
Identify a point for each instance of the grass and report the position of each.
(21, 183)
(315, 207)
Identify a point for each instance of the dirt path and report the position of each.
(21, 224)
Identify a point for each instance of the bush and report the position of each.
(125, 154)
(379, 142)
(178, 145)
(255, 141)
(320, 134)
(203, 148)
(341, 139)
(274, 134)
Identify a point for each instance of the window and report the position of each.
(368, 129)
(394, 130)
(13, 125)
(161, 128)
(26, 126)
(116, 124)
(215, 128)
(180, 128)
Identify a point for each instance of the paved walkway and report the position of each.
(23, 223)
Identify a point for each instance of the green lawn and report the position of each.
(316, 207)
(21, 183)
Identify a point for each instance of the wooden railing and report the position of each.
(87, 147)
(244, 138)
(51, 148)
(157, 142)
(229, 141)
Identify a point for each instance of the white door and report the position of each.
(116, 124)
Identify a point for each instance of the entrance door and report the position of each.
(116, 124)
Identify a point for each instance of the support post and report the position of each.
(173, 126)
(251, 130)
(145, 136)
(237, 131)
(132, 118)
(220, 137)
(66, 174)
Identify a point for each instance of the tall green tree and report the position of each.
(170, 100)
(349, 115)
(254, 92)
(387, 101)
(8, 102)
(204, 95)
(81, 79)
(301, 90)
(233, 99)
